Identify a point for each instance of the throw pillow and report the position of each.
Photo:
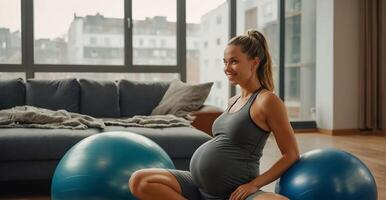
(181, 98)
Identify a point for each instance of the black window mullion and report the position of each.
(27, 35)
(232, 33)
(128, 33)
(281, 48)
(181, 38)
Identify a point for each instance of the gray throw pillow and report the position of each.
(180, 99)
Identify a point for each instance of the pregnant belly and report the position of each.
(219, 167)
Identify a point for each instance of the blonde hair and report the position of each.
(254, 44)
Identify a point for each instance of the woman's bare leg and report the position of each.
(270, 196)
(155, 183)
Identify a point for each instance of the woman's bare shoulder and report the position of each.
(269, 100)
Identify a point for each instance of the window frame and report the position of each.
(30, 68)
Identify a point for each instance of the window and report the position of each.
(248, 17)
(152, 43)
(251, 15)
(300, 48)
(10, 35)
(299, 64)
(201, 59)
(206, 63)
(107, 42)
(163, 43)
(11, 75)
(218, 84)
(88, 37)
(93, 41)
(153, 23)
(218, 20)
(195, 44)
(294, 6)
(110, 76)
(292, 77)
(89, 23)
(218, 41)
(267, 10)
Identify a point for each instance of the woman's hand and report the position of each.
(243, 191)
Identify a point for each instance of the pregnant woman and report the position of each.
(227, 166)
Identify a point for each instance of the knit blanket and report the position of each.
(33, 117)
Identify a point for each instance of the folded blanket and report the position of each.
(152, 121)
(33, 117)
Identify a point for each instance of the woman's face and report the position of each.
(238, 67)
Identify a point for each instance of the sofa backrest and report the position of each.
(99, 98)
(12, 93)
(107, 99)
(53, 94)
(140, 98)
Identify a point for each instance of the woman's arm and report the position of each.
(277, 119)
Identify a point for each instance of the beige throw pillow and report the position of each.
(181, 98)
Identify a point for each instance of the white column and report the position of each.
(337, 64)
(324, 63)
(346, 64)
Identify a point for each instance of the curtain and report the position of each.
(370, 84)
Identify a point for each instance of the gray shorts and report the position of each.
(191, 191)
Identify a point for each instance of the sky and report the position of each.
(53, 17)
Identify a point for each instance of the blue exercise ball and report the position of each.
(99, 166)
(327, 174)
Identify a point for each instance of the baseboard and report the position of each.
(341, 132)
(306, 130)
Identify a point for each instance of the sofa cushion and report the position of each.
(53, 94)
(180, 99)
(178, 142)
(12, 93)
(140, 98)
(99, 98)
(38, 144)
(20, 144)
(26, 172)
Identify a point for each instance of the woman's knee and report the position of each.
(141, 181)
(137, 181)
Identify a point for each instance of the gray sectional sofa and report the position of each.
(28, 154)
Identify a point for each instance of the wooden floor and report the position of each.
(371, 149)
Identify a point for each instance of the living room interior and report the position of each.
(155, 68)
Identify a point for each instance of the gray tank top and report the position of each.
(232, 157)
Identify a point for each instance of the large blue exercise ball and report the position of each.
(99, 166)
(327, 174)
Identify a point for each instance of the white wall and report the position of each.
(346, 64)
(324, 63)
(337, 64)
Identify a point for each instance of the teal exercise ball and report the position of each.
(99, 166)
(328, 174)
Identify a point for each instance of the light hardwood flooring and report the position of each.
(371, 149)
